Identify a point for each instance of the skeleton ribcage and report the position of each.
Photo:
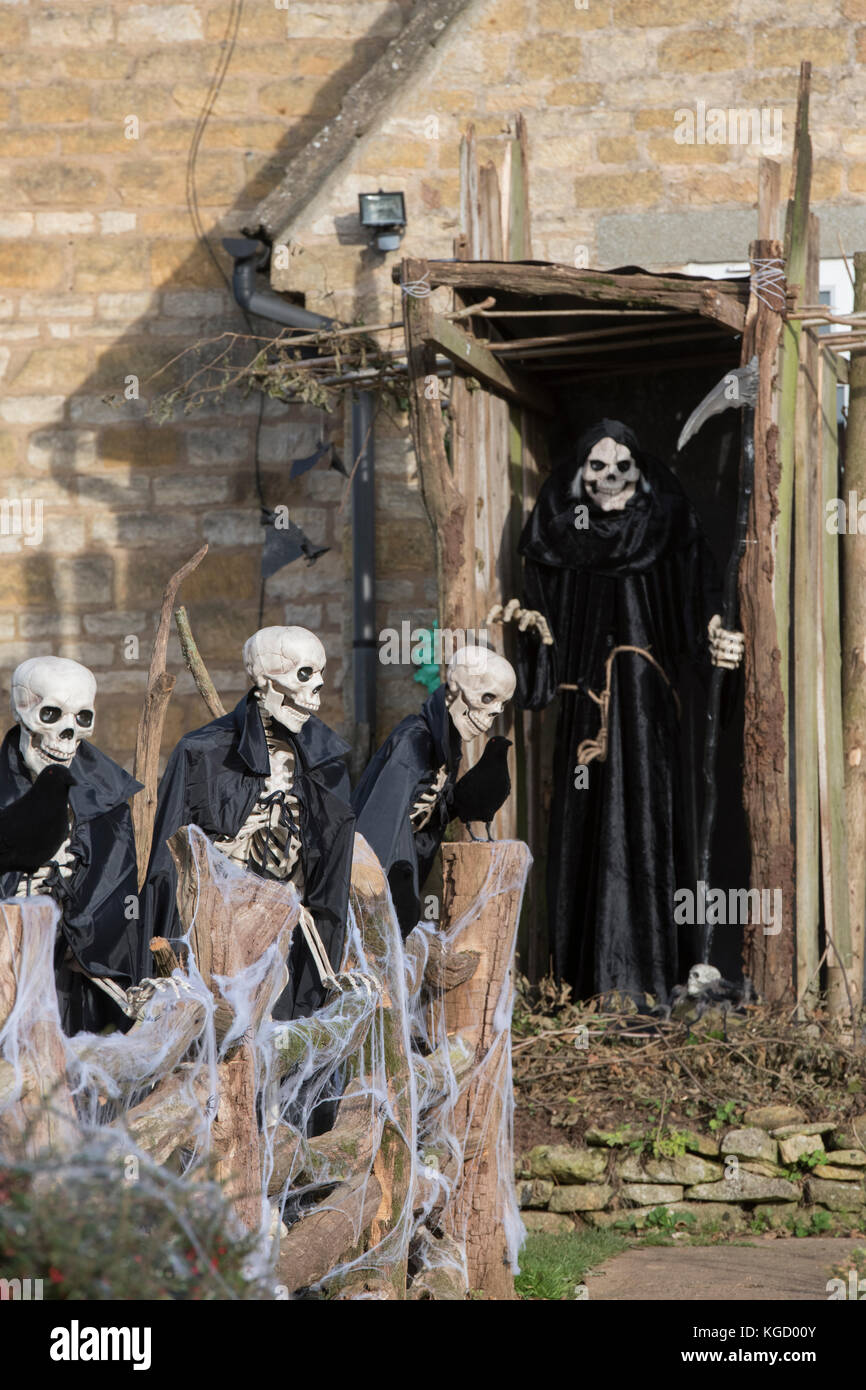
(269, 841)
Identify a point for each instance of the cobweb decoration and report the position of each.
(356, 1145)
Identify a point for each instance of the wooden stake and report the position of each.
(195, 665)
(806, 620)
(159, 687)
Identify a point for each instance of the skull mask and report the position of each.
(701, 978)
(609, 475)
(480, 684)
(286, 664)
(52, 700)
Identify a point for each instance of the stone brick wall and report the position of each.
(103, 277)
(776, 1171)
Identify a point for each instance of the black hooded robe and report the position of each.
(212, 780)
(394, 779)
(103, 887)
(644, 577)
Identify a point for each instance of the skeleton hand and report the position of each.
(526, 617)
(142, 993)
(726, 648)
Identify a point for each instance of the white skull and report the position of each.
(480, 684)
(700, 979)
(286, 664)
(609, 475)
(52, 700)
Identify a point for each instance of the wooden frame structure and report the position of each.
(516, 331)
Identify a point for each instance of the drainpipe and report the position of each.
(247, 255)
(365, 644)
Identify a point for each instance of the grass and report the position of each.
(552, 1267)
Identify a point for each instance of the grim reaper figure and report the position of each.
(268, 785)
(91, 873)
(619, 590)
(404, 799)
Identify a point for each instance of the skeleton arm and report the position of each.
(524, 617)
(726, 648)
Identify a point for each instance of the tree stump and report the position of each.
(482, 893)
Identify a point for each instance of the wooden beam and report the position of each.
(473, 358)
(722, 300)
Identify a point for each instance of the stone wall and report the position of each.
(104, 278)
(773, 1171)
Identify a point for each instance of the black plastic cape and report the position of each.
(394, 778)
(212, 779)
(643, 576)
(103, 885)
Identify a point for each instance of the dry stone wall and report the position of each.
(775, 1171)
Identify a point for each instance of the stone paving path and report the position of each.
(765, 1270)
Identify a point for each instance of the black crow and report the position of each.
(403, 895)
(483, 789)
(33, 828)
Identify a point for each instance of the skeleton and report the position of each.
(52, 700)
(609, 477)
(480, 684)
(53, 703)
(286, 664)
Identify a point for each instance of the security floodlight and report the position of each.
(385, 215)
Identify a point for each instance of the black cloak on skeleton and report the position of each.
(394, 779)
(212, 780)
(103, 884)
(642, 577)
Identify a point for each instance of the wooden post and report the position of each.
(768, 960)
(806, 619)
(445, 504)
(831, 758)
(853, 547)
(483, 886)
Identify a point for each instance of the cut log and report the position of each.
(483, 888)
(155, 1043)
(318, 1242)
(230, 928)
(39, 1113)
(170, 1117)
(236, 1136)
(165, 962)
